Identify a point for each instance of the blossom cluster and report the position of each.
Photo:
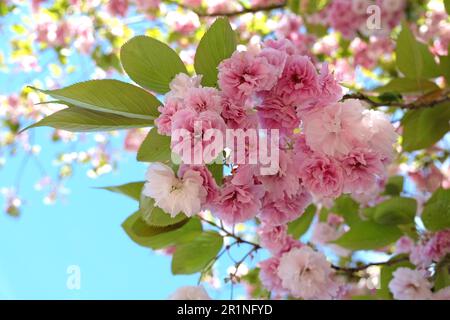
(430, 248)
(327, 147)
(409, 284)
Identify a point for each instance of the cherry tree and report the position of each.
(301, 133)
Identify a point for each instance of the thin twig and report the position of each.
(230, 13)
(256, 247)
(240, 262)
(363, 267)
(229, 234)
(410, 106)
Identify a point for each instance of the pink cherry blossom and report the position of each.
(203, 99)
(283, 45)
(404, 245)
(408, 284)
(238, 203)
(146, 5)
(209, 183)
(323, 176)
(427, 180)
(192, 3)
(244, 74)
(419, 256)
(269, 275)
(361, 168)
(276, 112)
(118, 7)
(134, 139)
(273, 238)
(181, 84)
(336, 128)
(343, 16)
(276, 58)
(285, 209)
(238, 115)
(325, 232)
(307, 274)
(284, 181)
(301, 150)
(164, 121)
(330, 90)
(381, 133)
(184, 23)
(172, 194)
(299, 81)
(85, 38)
(439, 245)
(443, 294)
(190, 293)
(192, 143)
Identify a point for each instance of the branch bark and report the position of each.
(363, 267)
(419, 104)
(232, 13)
(256, 247)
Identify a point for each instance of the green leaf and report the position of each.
(315, 6)
(386, 275)
(307, 7)
(348, 209)
(154, 148)
(447, 6)
(323, 214)
(369, 235)
(294, 6)
(82, 120)
(194, 256)
(132, 190)
(444, 65)
(424, 127)
(111, 96)
(394, 186)
(396, 211)
(160, 237)
(409, 56)
(430, 67)
(217, 172)
(442, 276)
(414, 59)
(436, 213)
(406, 85)
(298, 227)
(151, 63)
(218, 43)
(155, 216)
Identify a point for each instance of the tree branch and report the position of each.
(229, 234)
(233, 13)
(418, 104)
(363, 267)
(257, 247)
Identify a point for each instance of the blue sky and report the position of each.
(84, 230)
(37, 248)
